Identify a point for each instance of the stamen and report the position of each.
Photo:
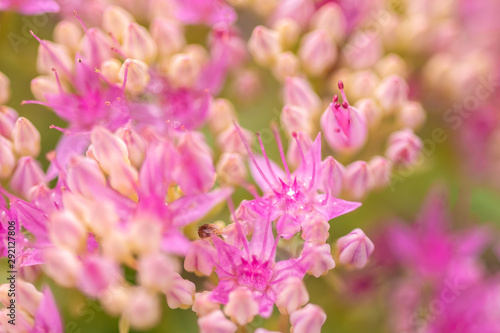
(59, 86)
(245, 143)
(80, 20)
(341, 87)
(277, 137)
(265, 156)
(238, 226)
(53, 55)
(294, 134)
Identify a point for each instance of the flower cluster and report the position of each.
(156, 148)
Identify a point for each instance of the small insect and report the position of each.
(208, 230)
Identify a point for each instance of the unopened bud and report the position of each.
(26, 138)
(299, 11)
(203, 304)
(412, 115)
(371, 111)
(179, 292)
(296, 119)
(231, 169)
(230, 140)
(362, 83)
(85, 176)
(355, 249)
(216, 322)
(69, 34)
(168, 36)
(110, 69)
(7, 158)
(115, 20)
(4, 88)
(391, 64)
(154, 270)
(264, 45)
(357, 179)
(392, 93)
(8, 118)
(380, 170)
(299, 92)
(331, 176)
(363, 50)
(241, 308)
(144, 312)
(52, 55)
(317, 258)
(315, 229)
(331, 19)
(66, 231)
(184, 70)
(145, 236)
(138, 43)
(137, 76)
(286, 65)
(317, 52)
(28, 174)
(222, 115)
(46, 84)
(404, 148)
(62, 266)
(292, 294)
(308, 319)
(288, 32)
(97, 275)
(136, 145)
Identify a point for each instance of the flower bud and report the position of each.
(363, 50)
(26, 138)
(331, 176)
(179, 292)
(331, 19)
(317, 52)
(29, 298)
(292, 294)
(85, 176)
(241, 307)
(404, 148)
(357, 179)
(300, 11)
(392, 93)
(355, 249)
(52, 55)
(296, 119)
(7, 158)
(138, 43)
(144, 311)
(412, 115)
(154, 270)
(362, 83)
(136, 145)
(45, 84)
(345, 129)
(317, 258)
(264, 45)
(287, 64)
(66, 231)
(69, 34)
(391, 64)
(115, 20)
(8, 118)
(216, 322)
(231, 169)
(97, 46)
(4, 88)
(299, 92)
(222, 115)
(315, 229)
(229, 141)
(110, 70)
(144, 236)
(62, 266)
(136, 75)
(184, 70)
(196, 172)
(97, 275)
(308, 319)
(168, 36)
(370, 110)
(28, 174)
(203, 304)
(115, 299)
(288, 32)
(380, 170)
(114, 244)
